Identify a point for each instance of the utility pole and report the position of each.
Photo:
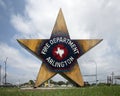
(0, 75)
(5, 71)
(96, 73)
(112, 77)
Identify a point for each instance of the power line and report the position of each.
(90, 75)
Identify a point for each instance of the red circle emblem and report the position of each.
(60, 52)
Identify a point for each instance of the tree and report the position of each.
(67, 83)
(53, 82)
(31, 82)
(61, 83)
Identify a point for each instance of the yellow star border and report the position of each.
(74, 75)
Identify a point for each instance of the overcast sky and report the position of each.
(85, 19)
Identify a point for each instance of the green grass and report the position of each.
(88, 91)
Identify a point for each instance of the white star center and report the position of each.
(59, 51)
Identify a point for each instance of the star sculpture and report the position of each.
(59, 54)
